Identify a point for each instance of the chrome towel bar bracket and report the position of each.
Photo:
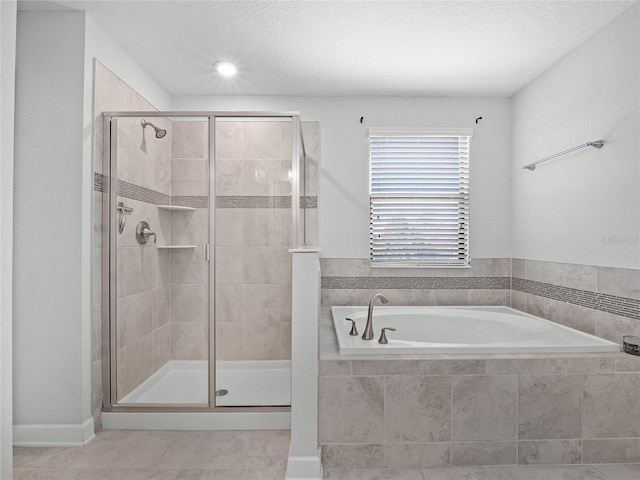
(596, 144)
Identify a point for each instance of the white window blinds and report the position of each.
(419, 197)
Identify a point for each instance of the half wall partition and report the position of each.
(200, 213)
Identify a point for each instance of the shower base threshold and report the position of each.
(249, 383)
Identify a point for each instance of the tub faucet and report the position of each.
(368, 330)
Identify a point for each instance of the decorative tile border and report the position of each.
(142, 194)
(626, 307)
(283, 201)
(136, 192)
(417, 283)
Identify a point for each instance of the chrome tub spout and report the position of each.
(368, 330)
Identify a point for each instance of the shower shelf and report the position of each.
(176, 208)
(175, 247)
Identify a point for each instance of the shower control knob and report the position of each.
(143, 232)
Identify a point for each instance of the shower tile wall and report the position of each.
(143, 271)
(189, 271)
(112, 94)
(253, 263)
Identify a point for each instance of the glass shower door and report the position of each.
(253, 162)
(160, 303)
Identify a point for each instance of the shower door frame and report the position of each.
(109, 255)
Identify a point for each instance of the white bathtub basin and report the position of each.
(436, 330)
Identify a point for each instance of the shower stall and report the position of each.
(200, 213)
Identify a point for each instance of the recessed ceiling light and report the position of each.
(226, 69)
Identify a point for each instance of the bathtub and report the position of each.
(445, 330)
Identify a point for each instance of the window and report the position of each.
(419, 197)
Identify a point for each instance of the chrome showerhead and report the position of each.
(160, 132)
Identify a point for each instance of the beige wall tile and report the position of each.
(519, 268)
(575, 316)
(187, 170)
(229, 226)
(484, 407)
(333, 368)
(189, 188)
(549, 406)
(417, 409)
(519, 300)
(265, 226)
(248, 341)
(266, 177)
(285, 341)
(452, 367)
(350, 410)
(188, 139)
(228, 177)
(610, 402)
(160, 308)
(570, 275)
(621, 282)
(229, 264)
(262, 139)
(161, 345)
(187, 303)
(484, 453)
(134, 365)
(265, 265)
(549, 452)
(353, 456)
(188, 266)
(134, 319)
(617, 450)
(417, 455)
(614, 327)
(188, 341)
(228, 139)
(190, 228)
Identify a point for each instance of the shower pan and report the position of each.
(199, 219)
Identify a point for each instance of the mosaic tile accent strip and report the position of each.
(263, 202)
(98, 182)
(626, 307)
(130, 190)
(193, 202)
(135, 192)
(309, 202)
(417, 283)
(142, 194)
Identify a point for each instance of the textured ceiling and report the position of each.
(488, 48)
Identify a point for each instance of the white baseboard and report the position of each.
(53, 435)
(304, 468)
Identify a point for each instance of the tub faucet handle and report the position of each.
(383, 336)
(353, 331)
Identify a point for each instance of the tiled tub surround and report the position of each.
(602, 301)
(444, 410)
(352, 281)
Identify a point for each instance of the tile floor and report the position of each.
(161, 455)
(243, 455)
